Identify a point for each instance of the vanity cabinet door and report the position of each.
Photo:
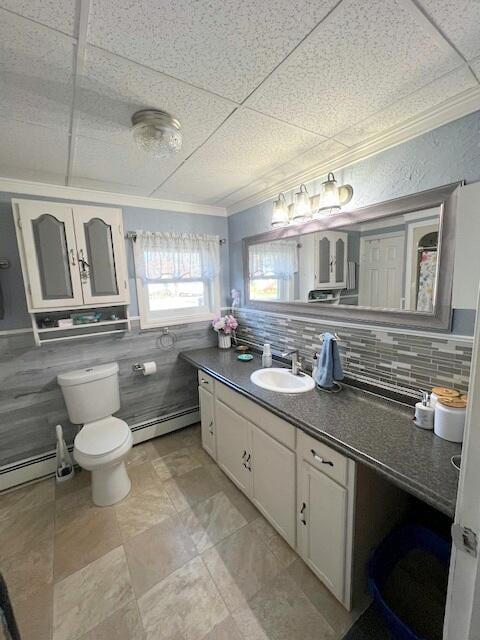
(322, 527)
(101, 254)
(207, 418)
(233, 446)
(273, 482)
(46, 237)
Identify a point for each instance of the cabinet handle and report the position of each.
(74, 262)
(210, 427)
(320, 459)
(246, 461)
(203, 381)
(302, 511)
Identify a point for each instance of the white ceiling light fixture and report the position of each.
(333, 197)
(157, 132)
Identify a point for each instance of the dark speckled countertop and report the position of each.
(372, 430)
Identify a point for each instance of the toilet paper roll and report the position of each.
(148, 368)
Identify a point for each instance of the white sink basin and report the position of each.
(282, 381)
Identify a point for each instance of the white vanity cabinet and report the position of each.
(72, 255)
(330, 251)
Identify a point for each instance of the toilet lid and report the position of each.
(102, 436)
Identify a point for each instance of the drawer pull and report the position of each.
(203, 381)
(210, 428)
(302, 511)
(320, 459)
(245, 462)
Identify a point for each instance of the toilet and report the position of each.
(92, 396)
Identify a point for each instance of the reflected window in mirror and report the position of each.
(273, 271)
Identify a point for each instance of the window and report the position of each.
(177, 277)
(272, 269)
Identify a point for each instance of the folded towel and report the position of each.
(330, 365)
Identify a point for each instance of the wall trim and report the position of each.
(355, 325)
(460, 105)
(43, 466)
(81, 194)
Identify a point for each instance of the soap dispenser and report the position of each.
(266, 356)
(424, 412)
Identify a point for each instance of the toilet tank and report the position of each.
(92, 393)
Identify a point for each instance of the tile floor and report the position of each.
(184, 557)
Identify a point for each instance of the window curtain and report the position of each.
(278, 259)
(426, 281)
(161, 256)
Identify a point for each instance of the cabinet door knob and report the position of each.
(210, 427)
(320, 459)
(302, 511)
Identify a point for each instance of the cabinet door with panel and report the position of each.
(273, 482)
(330, 259)
(207, 418)
(322, 527)
(233, 446)
(101, 254)
(48, 250)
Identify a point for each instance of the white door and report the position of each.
(462, 615)
(273, 482)
(322, 527)
(233, 446)
(49, 254)
(381, 271)
(101, 254)
(207, 418)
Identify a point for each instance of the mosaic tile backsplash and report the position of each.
(393, 360)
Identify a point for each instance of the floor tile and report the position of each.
(281, 611)
(188, 437)
(211, 521)
(140, 453)
(88, 537)
(124, 624)
(69, 507)
(191, 488)
(156, 553)
(139, 512)
(226, 630)
(186, 605)
(335, 614)
(242, 503)
(175, 464)
(27, 530)
(240, 566)
(33, 613)
(80, 480)
(31, 496)
(92, 594)
(143, 478)
(277, 545)
(28, 570)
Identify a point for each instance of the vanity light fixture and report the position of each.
(302, 209)
(332, 197)
(156, 132)
(280, 212)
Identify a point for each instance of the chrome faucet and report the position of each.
(296, 363)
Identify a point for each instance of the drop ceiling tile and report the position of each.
(56, 14)
(319, 154)
(460, 22)
(111, 89)
(361, 58)
(247, 145)
(225, 46)
(422, 101)
(476, 68)
(123, 168)
(30, 152)
(36, 73)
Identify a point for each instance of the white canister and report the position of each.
(450, 418)
(442, 392)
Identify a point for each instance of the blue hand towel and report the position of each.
(330, 365)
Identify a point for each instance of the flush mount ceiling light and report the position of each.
(330, 200)
(156, 132)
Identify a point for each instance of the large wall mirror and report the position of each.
(390, 263)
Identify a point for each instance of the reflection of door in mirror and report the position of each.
(381, 273)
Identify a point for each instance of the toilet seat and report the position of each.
(102, 437)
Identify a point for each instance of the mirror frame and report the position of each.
(444, 197)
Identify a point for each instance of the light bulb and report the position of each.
(301, 207)
(329, 198)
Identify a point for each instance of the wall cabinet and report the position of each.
(330, 259)
(72, 255)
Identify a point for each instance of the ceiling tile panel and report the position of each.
(460, 22)
(418, 103)
(225, 46)
(361, 58)
(247, 145)
(36, 73)
(476, 68)
(29, 152)
(56, 14)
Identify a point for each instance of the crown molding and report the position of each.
(461, 105)
(81, 194)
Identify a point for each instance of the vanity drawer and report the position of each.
(282, 431)
(205, 381)
(330, 462)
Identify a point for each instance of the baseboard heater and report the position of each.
(43, 465)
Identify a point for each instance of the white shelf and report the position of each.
(82, 335)
(103, 323)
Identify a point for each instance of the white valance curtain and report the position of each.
(278, 259)
(161, 256)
